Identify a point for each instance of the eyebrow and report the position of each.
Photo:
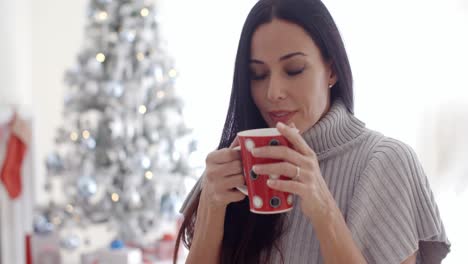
(284, 57)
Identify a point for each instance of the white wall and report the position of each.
(58, 28)
(15, 50)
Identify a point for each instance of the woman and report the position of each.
(361, 197)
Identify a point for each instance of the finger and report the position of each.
(228, 169)
(286, 186)
(235, 142)
(222, 156)
(280, 153)
(279, 168)
(293, 126)
(295, 138)
(232, 182)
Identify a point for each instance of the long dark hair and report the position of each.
(247, 235)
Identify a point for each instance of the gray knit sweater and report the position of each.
(379, 186)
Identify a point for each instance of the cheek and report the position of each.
(314, 79)
(314, 86)
(257, 95)
(312, 95)
(302, 89)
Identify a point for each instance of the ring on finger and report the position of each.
(298, 173)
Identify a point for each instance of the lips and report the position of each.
(281, 116)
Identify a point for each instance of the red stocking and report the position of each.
(10, 174)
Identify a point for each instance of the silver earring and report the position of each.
(330, 85)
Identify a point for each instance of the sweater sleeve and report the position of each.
(393, 212)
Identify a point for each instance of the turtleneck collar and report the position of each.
(335, 132)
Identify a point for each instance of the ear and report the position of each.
(332, 77)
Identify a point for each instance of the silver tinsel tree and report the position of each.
(123, 150)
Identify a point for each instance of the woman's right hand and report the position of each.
(223, 174)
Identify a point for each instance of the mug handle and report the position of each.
(243, 188)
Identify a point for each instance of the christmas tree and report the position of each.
(123, 151)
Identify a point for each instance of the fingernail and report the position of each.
(281, 125)
(254, 168)
(270, 182)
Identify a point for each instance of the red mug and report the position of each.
(262, 199)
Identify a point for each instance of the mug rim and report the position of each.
(260, 132)
(272, 211)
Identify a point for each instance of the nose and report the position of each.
(276, 90)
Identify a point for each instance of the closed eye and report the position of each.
(295, 72)
(257, 77)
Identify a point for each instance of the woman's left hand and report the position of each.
(301, 165)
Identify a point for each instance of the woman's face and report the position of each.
(289, 78)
